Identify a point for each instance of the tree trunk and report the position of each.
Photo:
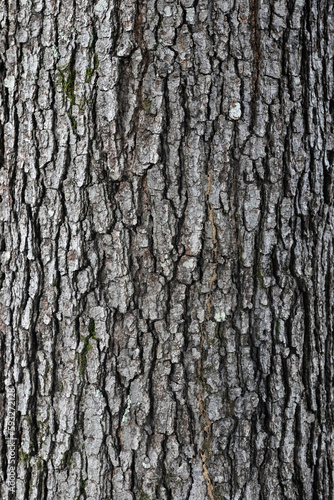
(166, 245)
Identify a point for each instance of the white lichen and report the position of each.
(235, 111)
(127, 410)
(220, 316)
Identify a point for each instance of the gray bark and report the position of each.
(166, 221)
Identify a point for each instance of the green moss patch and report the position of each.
(66, 80)
(87, 346)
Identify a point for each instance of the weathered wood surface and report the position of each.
(166, 247)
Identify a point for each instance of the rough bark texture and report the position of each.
(166, 248)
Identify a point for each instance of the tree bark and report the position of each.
(166, 244)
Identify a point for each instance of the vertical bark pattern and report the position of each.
(166, 301)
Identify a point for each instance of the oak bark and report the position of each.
(166, 301)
